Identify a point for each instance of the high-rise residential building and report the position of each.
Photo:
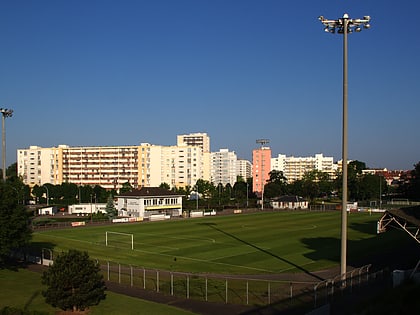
(223, 167)
(38, 165)
(261, 167)
(110, 167)
(294, 168)
(201, 140)
(244, 169)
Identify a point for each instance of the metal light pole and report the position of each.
(48, 195)
(344, 26)
(5, 113)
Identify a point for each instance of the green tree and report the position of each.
(413, 189)
(74, 282)
(165, 186)
(314, 183)
(126, 187)
(15, 232)
(276, 185)
(110, 208)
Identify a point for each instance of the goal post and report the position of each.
(126, 236)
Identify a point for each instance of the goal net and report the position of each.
(119, 239)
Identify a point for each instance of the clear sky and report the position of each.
(96, 73)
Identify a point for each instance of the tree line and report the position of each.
(313, 185)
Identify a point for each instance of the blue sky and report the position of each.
(88, 73)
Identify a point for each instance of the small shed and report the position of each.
(47, 211)
(289, 202)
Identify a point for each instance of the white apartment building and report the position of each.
(199, 139)
(38, 165)
(182, 166)
(244, 169)
(110, 167)
(223, 167)
(294, 168)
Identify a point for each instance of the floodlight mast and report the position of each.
(5, 113)
(344, 26)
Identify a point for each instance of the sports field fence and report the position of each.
(237, 289)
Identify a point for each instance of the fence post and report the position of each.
(247, 292)
(172, 284)
(206, 289)
(226, 286)
(131, 275)
(108, 269)
(269, 293)
(291, 292)
(119, 273)
(144, 278)
(351, 281)
(188, 287)
(157, 280)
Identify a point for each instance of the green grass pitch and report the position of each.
(260, 243)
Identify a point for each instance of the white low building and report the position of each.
(289, 202)
(148, 202)
(47, 211)
(87, 208)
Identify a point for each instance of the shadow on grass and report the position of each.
(214, 227)
(390, 250)
(368, 227)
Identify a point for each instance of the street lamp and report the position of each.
(5, 113)
(344, 26)
(48, 197)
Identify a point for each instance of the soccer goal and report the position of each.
(118, 239)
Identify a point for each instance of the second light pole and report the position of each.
(5, 113)
(344, 26)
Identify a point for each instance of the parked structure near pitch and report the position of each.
(149, 202)
(87, 208)
(289, 202)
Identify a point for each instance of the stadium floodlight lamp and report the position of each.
(344, 26)
(5, 113)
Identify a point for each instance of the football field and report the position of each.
(265, 242)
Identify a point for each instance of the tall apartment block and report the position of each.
(110, 167)
(244, 169)
(294, 168)
(261, 167)
(201, 140)
(223, 167)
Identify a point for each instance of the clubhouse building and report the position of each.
(152, 203)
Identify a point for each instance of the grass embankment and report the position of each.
(22, 289)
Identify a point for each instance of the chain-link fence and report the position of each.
(234, 289)
(240, 290)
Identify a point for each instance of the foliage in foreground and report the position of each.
(74, 282)
(15, 232)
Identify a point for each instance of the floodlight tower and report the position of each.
(344, 26)
(5, 113)
(262, 142)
